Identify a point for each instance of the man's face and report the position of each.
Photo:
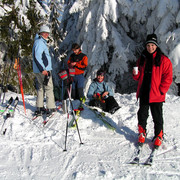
(45, 35)
(76, 51)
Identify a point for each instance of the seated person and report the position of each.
(101, 95)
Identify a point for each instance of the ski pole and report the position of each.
(7, 79)
(66, 129)
(74, 115)
(17, 66)
(67, 111)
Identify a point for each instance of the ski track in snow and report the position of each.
(31, 151)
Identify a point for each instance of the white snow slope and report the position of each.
(30, 151)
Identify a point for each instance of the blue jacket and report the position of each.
(41, 56)
(98, 87)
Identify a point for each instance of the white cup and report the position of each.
(136, 70)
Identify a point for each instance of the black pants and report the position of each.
(156, 112)
(107, 106)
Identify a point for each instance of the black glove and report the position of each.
(46, 79)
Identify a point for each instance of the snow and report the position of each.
(31, 151)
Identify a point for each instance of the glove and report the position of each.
(46, 79)
(99, 97)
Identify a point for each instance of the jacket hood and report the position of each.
(36, 37)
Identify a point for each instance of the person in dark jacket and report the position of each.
(101, 95)
(154, 78)
(79, 62)
(42, 67)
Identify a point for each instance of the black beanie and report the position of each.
(152, 38)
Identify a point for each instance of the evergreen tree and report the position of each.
(112, 33)
(18, 27)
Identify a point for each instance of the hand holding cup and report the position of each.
(135, 70)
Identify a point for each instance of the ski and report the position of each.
(150, 159)
(35, 117)
(102, 117)
(7, 105)
(137, 155)
(9, 114)
(15, 105)
(49, 117)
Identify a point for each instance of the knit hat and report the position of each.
(44, 28)
(152, 38)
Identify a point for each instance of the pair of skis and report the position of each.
(47, 118)
(7, 105)
(9, 114)
(102, 117)
(149, 160)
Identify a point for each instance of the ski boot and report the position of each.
(40, 111)
(158, 140)
(49, 112)
(141, 136)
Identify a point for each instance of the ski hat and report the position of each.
(152, 38)
(100, 72)
(44, 28)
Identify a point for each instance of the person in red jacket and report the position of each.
(79, 62)
(154, 78)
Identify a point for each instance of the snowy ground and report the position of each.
(30, 151)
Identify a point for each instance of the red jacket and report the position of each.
(161, 79)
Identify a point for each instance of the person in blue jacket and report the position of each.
(101, 95)
(42, 67)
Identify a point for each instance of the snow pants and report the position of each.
(157, 115)
(44, 90)
(109, 104)
(78, 86)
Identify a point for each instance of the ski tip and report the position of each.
(147, 164)
(4, 132)
(11, 98)
(16, 98)
(134, 163)
(8, 115)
